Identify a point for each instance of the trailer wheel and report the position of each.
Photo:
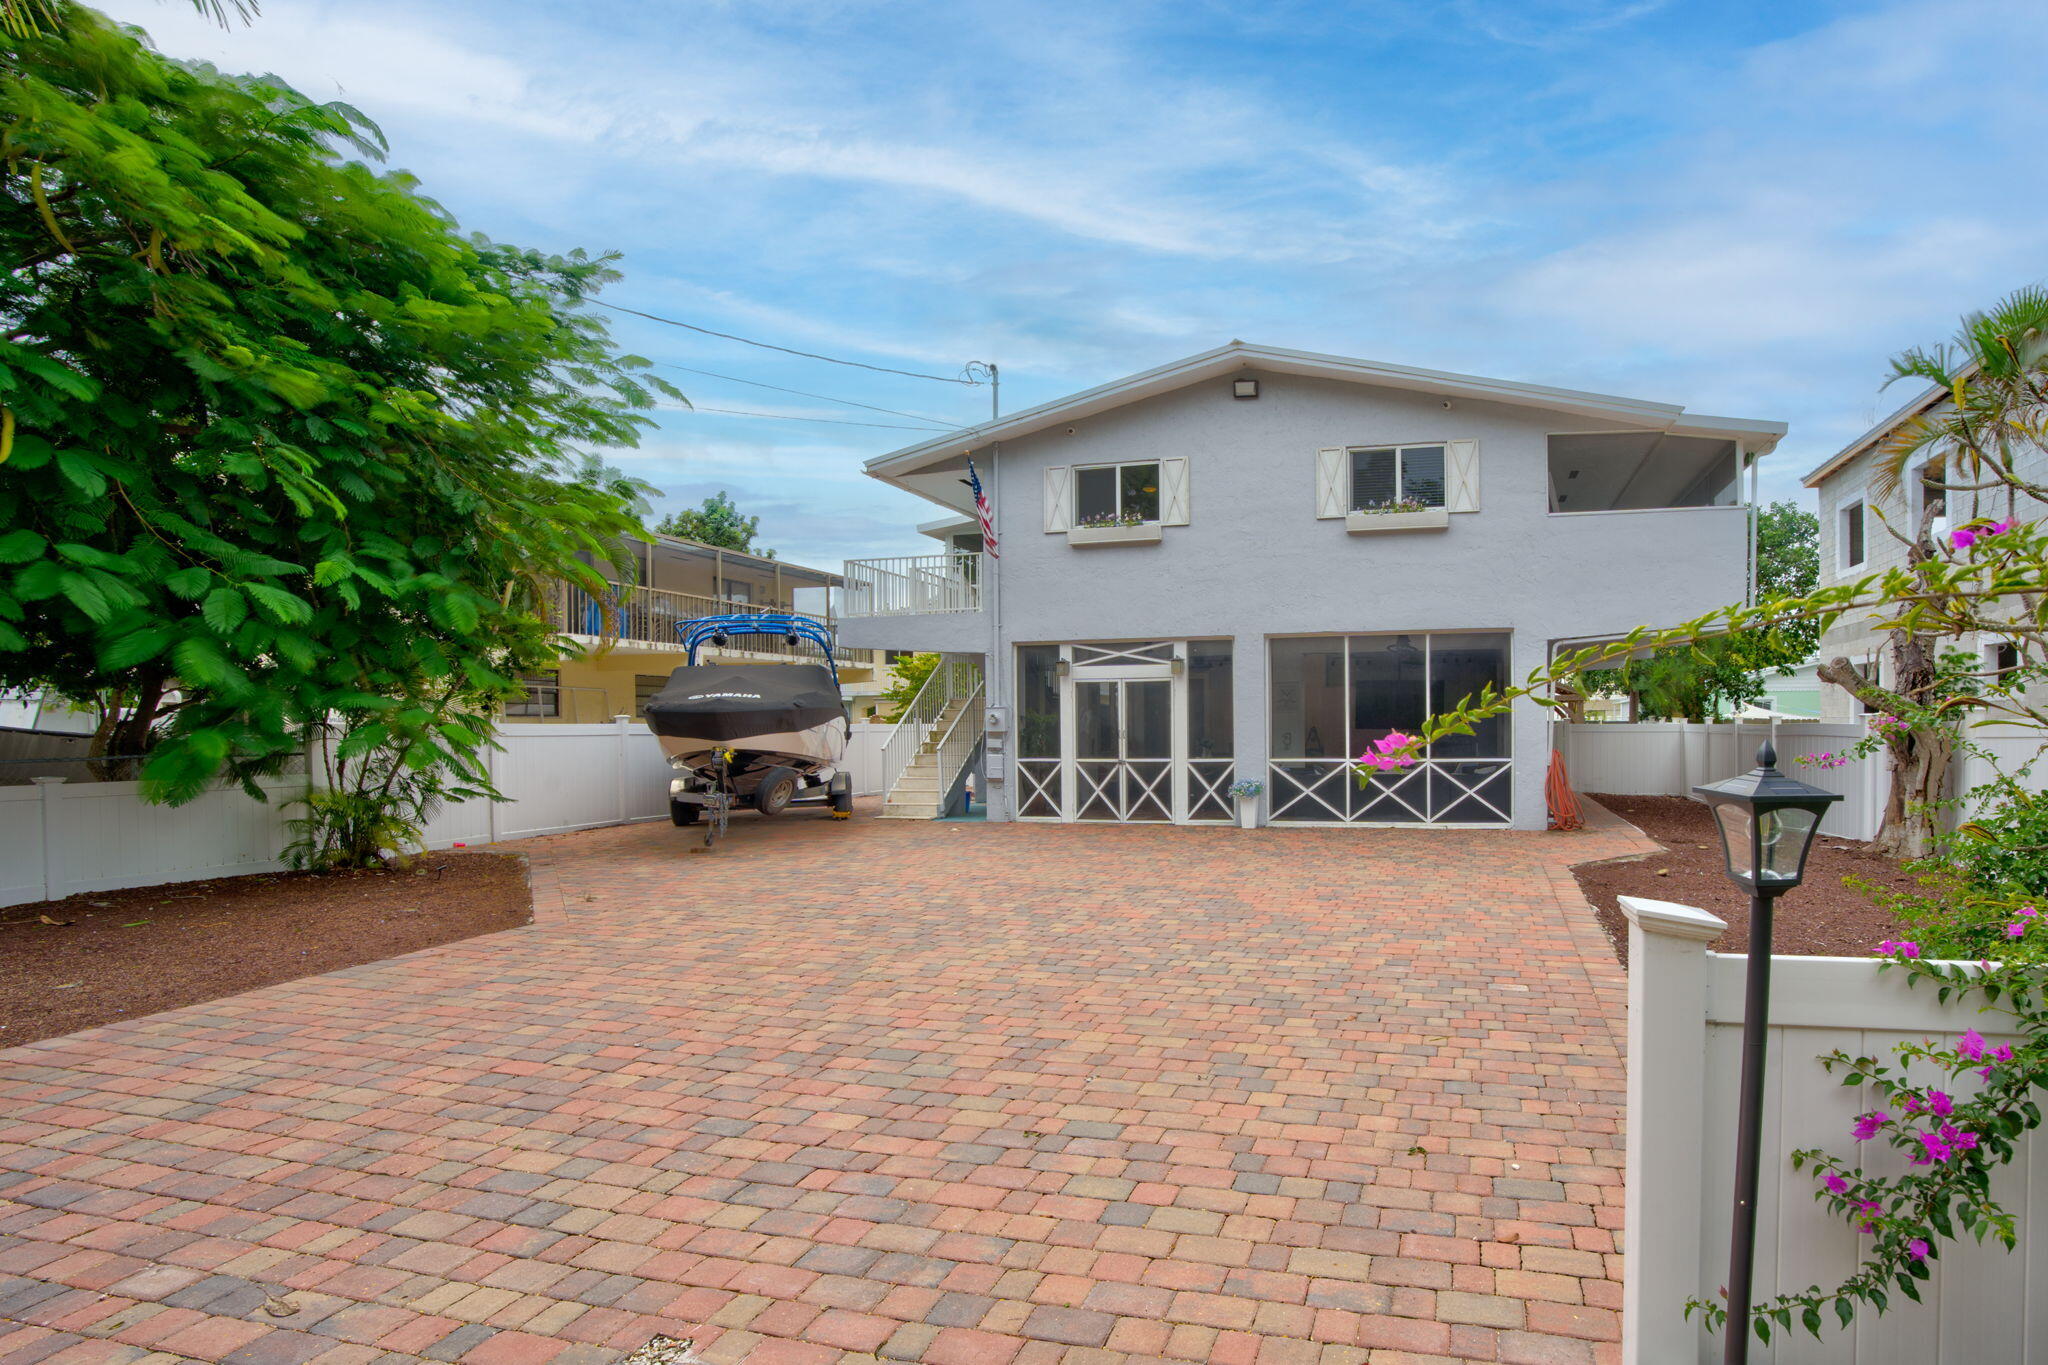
(684, 812)
(777, 789)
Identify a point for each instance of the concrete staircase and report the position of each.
(917, 794)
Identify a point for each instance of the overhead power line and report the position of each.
(770, 346)
(791, 417)
(939, 422)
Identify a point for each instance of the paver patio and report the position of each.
(961, 1094)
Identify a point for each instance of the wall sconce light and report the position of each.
(1063, 668)
(1180, 666)
(1244, 388)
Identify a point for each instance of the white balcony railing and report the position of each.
(652, 614)
(912, 585)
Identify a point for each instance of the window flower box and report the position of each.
(1398, 519)
(1144, 533)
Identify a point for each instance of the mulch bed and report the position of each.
(117, 954)
(1823, 918)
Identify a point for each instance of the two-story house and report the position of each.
(1867, 525)
(1253, 563)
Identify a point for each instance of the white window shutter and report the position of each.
(1330, 484)
(1463, 459)
(1173, 492)
(1059, 514)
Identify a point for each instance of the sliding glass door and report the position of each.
(1333, 696)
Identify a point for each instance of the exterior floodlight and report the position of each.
(1767, 822)
(1244, 388)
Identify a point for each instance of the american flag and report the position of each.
(987, 513)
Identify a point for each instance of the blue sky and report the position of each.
(1741, 207)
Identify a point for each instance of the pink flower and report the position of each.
(2027, 912)
(1963, 539)
(2016, 929)
(1917, 1249)
(1939, 1104)
(1388, 752)
(2003, 1052)
(1910, 1105)
(1971, 1045)
(1957, 1139)
(1837, 1185)
(1998, 528)
(1868, 1124)
(1903, 947)
(1870, 1209)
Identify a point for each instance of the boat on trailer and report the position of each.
(768, 736)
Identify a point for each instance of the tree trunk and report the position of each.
(127, 735)
(1919, 757)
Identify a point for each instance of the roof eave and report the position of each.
(1758, 436)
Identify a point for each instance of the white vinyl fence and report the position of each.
(1984, 1304)
(58, 838)
(1670, 758)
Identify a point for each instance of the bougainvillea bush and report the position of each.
(1974, 1102)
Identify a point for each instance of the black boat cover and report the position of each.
(734, 702)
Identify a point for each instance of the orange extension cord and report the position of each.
(1557, 790)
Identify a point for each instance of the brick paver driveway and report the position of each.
(961, 1094)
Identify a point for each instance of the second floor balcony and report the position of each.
(629, 616)
(912, 585)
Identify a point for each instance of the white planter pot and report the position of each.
(1114, 535)
(1247, 812)
(1428, 519)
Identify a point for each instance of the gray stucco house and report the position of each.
(1866, 527)
(1252, 563)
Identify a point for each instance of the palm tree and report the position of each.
(28, 18)
(1966, 445)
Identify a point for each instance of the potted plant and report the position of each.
(1110, 528)
(1400, 514)
(1247, 793)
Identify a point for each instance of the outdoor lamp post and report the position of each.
(1767, 822)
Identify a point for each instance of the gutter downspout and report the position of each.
(1754, 517)
(997, 689)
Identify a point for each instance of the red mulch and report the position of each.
(118, 954)
(1822, 918)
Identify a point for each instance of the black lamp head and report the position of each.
(1767, 822)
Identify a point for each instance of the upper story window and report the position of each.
(1850, 543)
(1637, 471)
(1116, 494)
(1386, 475)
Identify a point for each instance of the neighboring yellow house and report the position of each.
(681, 580)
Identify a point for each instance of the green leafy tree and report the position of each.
(718, 522)
(1703, 680)
(906, 676)
(282, 451)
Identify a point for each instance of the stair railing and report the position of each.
(951, 681)
(956, 748)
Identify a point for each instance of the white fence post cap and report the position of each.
(1671, 919)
